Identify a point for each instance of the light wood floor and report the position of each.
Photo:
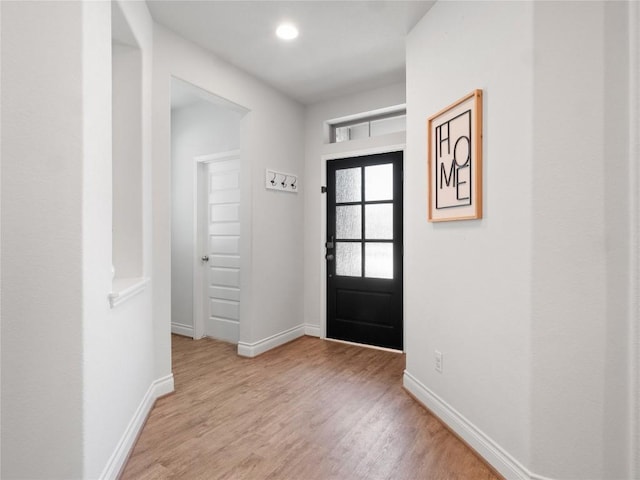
(311, 409)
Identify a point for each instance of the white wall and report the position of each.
(529, 304)
(0, 245)
(196, 129)
(42, 153)
(77, 377)
(76, 372)
(271, 137)
(471, 299)
(316, 147)
(118, 363)
(127, 248)
(580, 241)
(634, 203)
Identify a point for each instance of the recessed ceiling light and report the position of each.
(287, 31)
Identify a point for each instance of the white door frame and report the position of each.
(323, 218)
(198, 286)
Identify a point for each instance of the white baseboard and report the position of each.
(312, 330)
(116, 463)
(181, 329)
(488, 449)
(255, 349)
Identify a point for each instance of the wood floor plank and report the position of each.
(311, 410)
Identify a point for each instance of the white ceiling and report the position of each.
(343, 47)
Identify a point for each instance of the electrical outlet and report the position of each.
(438, 361)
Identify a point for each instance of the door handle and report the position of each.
(329, 244)
(205, 258)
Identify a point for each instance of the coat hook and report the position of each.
(293, 184)
(284, 182)
(273, 180)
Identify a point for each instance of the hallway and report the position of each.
(310, 409)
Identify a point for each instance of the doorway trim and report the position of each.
(401, 147)
(198, 287)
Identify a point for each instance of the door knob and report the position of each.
(329, 244)
(205, 258)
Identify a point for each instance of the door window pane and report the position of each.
(388, 125)
(359, 131)
(378, 182)
(378, 260)
(349, 259)
(379, 221)
(349, 222)
(349, 185)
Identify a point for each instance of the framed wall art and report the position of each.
(455, 161)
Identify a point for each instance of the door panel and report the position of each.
(229, 277)
(225, 293)
(363, 307)
(227, 245)
(364, 249)
(222, 280)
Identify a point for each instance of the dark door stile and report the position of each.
(361, 307)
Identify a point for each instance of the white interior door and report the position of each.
(221, 272)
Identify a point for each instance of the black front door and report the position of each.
(364, 249)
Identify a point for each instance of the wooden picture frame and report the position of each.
(454, 155)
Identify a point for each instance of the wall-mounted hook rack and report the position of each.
(283, 182)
